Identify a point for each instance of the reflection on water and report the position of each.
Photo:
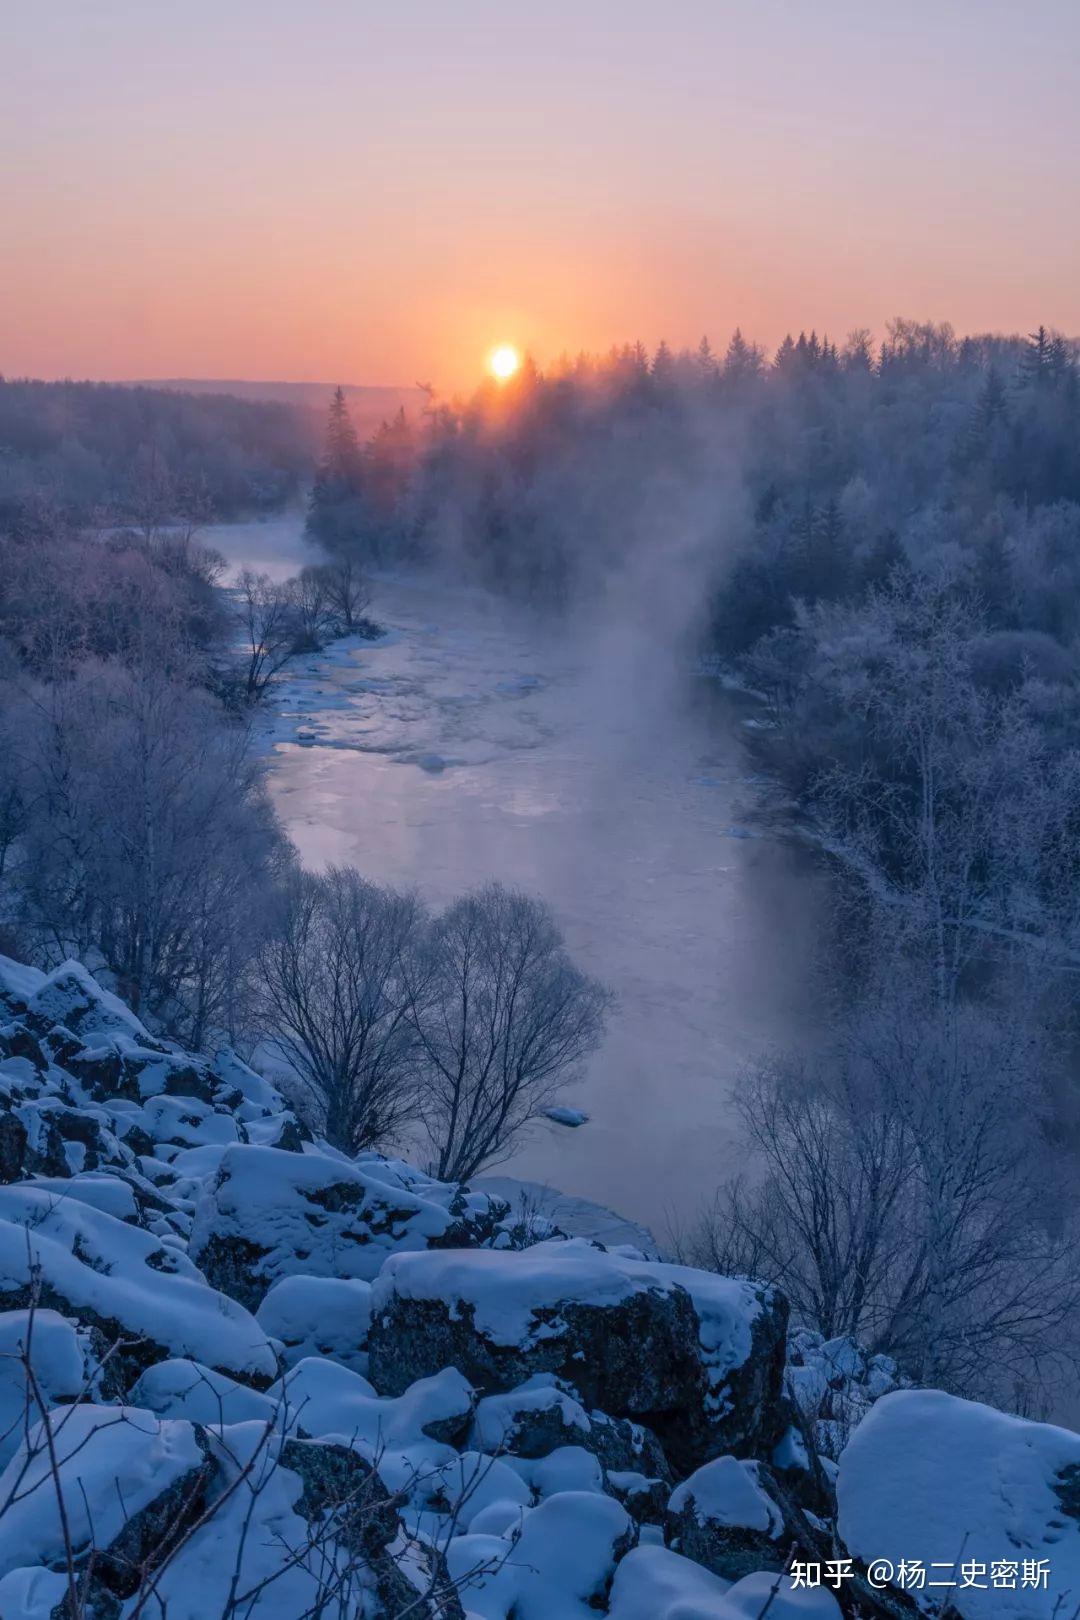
(474, 743)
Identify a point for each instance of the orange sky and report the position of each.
(339, 190)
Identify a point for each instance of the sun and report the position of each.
(503, 361)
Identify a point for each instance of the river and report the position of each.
(584, 764)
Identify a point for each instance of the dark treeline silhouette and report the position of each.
(85, 452)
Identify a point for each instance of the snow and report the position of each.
(572, 1117)
(71, 996)
(578, 1217)
(312, 1214)
(107, 1193)
(653, 1583)
(506, 1290)
(257, 1536)
(324, 1398)
(120, 1273)
(19, 982)
(929, 1476)
(319, 1316)
(454, 1494)
(113, 1461)
(495, 1419)
(60, 1365)
(748, 1598)
(727, 1309)
(32, 1594)
(180, 1388)
(555, 1570)
(728, 1492)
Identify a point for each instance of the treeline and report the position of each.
(806, 475)
(87, 453)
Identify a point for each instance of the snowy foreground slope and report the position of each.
(243, 1376)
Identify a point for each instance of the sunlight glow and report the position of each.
(504, 361)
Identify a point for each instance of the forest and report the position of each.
(91, 454)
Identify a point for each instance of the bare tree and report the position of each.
(505, 1020)
(313, 605)
(338, 977)
(267, 615)
(905, 1196)
(349, 593)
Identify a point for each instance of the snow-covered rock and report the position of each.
(560, 1565)
(930, 1478)
(724, 1518)
(438, 1407)
(652, 1583)
(129, 1480)
(62, 1369)
(124, 1282)
(698, 1358)
(319, 1316)
(269, 1214)
(541, 1415)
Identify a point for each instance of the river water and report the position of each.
(584, 764)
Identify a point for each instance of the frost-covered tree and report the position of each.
(505, 1020)
(338, 979)
(903, 1193)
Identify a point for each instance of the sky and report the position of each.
(378, 193)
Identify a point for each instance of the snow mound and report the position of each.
(927, 1476)
(319, 1316)
(269, 1214)
(124, 1281)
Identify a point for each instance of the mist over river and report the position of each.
(585, 763)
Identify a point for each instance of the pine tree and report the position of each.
(334, 511)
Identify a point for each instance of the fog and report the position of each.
(586, 763)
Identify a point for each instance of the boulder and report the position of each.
(269, 1214)
(542, 1414)
(725, 1518)
(62, 1362)
(625, 1340)
(319, 1316)
(695, 1357)
(927, 1476)
(560, 1564)
(132, 1483)
(137, 1292)
(653, 1583)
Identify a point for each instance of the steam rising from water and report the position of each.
(583, 761)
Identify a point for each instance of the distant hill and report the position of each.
(369, 405)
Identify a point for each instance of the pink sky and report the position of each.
(339, 190)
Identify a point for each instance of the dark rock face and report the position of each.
(12, 1147)
(744, 1412)
(149, 1537)
(344, 1494)
(636, 1359)
(543, 1416)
